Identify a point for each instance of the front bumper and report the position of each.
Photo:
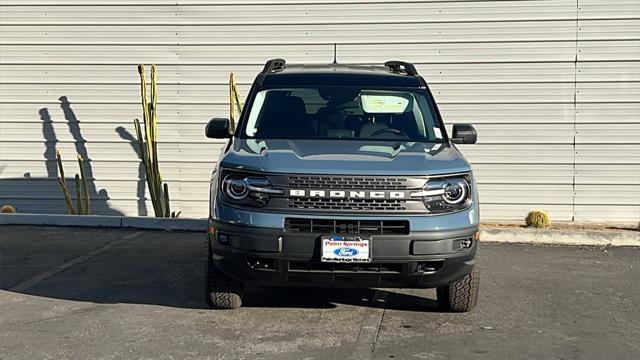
(431, 255)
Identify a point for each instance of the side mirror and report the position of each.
(218, 128)
(464, 134)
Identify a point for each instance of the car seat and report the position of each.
(284, 117)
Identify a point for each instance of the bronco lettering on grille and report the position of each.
(342, 194)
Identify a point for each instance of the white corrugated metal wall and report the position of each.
(553, 88)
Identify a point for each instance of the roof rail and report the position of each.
(274, 65)
(401, 66)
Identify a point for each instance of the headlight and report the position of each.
(455, 191)
(237, 189)
(247, 190)
(447, 194)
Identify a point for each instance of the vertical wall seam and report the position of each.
(575, 113)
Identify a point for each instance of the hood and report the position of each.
(348, 157)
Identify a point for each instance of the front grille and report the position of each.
(348, 204)
(364, 227)
(348, 182)
(312, 194)
(299, 266)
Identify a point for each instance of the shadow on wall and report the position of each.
(140, 191)
(43, 194)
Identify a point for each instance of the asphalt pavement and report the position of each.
(85, 293)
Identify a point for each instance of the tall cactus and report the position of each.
(234, 102)
(149, 146)
(82, 190)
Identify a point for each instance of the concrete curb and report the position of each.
(493, 235)
(165, 223)
(561, 237)
(105, 221)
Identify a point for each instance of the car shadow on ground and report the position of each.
(278, 297)
(113, 287)
(153, 267)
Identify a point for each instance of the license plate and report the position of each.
(345, 248)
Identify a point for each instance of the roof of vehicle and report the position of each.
(339, 74)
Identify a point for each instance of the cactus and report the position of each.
(82, 190)
(7, 209)
(234, 102)
(78, 195)
(167, 211)
(63, 185)
(85, 188)
(538, 219)
(67, 196)
(149, 146)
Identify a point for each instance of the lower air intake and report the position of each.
(364, 227)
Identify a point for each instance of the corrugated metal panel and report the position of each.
(440, 73)
(605, 154)
(554, 133)
(607, 174)
(609, 50)
(205, 93)
(612, 112)
(286, 13)
(289, 34)
(313, 53)
(608, 9)
(608, 71)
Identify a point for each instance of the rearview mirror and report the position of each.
(464, 134)
(218, 128)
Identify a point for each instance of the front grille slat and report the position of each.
(364, 227)
(348, 204)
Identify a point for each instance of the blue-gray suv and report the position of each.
(342, 176)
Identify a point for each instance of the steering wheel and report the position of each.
(388, 130)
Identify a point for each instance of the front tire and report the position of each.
(461, 295)
(222, 291)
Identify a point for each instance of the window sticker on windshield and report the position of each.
(438, 133)
(433, 148)
(383, 104)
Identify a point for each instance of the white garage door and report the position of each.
(553, 88)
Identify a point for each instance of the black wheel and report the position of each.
(222, 291)
(460, 296)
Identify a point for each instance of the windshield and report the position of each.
(342, 112)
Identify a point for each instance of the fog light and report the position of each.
(223, 238)
(466, 243)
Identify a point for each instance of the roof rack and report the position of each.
(401, 66)
(274, 65)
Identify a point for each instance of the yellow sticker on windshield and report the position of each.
(383, 104)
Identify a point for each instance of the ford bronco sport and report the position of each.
(344, 176)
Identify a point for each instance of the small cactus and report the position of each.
(538, 219)
(86, 203)
(7, 209)
(63, 185)
(78, 195)
(81, 188)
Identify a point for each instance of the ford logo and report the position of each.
(346, 251)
